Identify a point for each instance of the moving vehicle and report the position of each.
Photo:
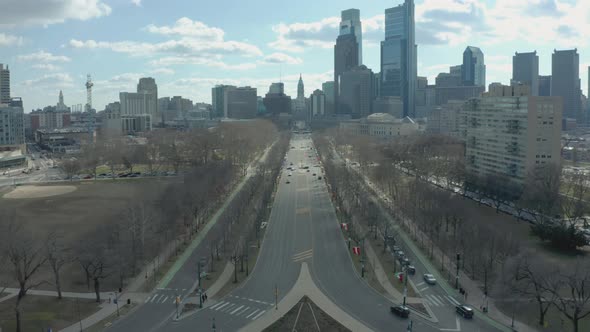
(465, 311)
(288, 182)
(400, 310)
(429, 279)
(411, 269)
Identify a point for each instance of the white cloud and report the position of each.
(184, 46)
(136, 2)
(52, 81)
(10, 40)
(46, 66)
(276, 58)
(44, 57)
(163, 71)
(188, 28)
(214, 62)
(43, 12)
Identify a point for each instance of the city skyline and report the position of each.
(51, 52)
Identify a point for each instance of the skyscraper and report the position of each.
(217, 99)
(545, 85)
(351, 24)
(299, 106)
(300, 88)
(565, 82)
(525, 70)
(345, 58)
(474, 68)
(357, 92)
(147, 85)
(241, 103)
(399, 56)
(328, 90)
(4, 85)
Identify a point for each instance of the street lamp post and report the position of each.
(457, 274)
(405, 274)
(117, 303)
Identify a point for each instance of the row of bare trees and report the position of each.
(440, 224)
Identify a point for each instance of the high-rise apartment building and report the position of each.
(510, 133)
(4, 85)
(474, 68)
(356, 96)
(317, 103)
(399, 60)
(240, 103)
(12, 123)
(545, 86)
(565, 82)
(525, 70)
(148, 86)
(137, 104)
(217, 99)
(351, 24)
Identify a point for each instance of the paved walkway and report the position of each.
(219, 283)
(305, 286)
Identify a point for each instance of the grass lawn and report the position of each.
(43, 312)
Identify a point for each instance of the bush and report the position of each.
(560, 235)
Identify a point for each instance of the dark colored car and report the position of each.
(411, 269)
(288, 182)
(401, 311)
(465, 311)
(404, 261)
(319, 177)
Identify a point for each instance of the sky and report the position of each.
(188, 46)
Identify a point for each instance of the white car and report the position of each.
(429, 279)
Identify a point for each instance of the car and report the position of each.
(319, 177)
(429, 279)
(291, 164)
(288, 182)
(313, 174)
(399, 254)
(404, 261)
(400, 310)
(88, 177)
(37, 168)
(289, 174)
(307, 171)
(465, 311)
(411, 269)
(396, 249)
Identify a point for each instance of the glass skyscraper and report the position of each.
(474, 67)
(399, 56)
(350, 23)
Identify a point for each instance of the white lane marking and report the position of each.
(153, 298)
(226, 303)
(258, 315)
(173, 300)
(423, 289)
(236, 310)
(164, 299)
(433, 300)
(420, 284)
(243, 311)
(216, 305)
(252, 313)
(147, 300)
(458, 326)
(452, 300)
(229, 307)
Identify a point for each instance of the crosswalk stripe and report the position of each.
(173, 300)
(420, 284)
(226, 303)
(165, 299)
(147, 299)
(435, 300)
(252, 313)
(258, 315)
(227, 309)
(153, 298)
(235, 310)
(243, 311)
(217, 305)
(452, 300)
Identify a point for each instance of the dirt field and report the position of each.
(76, 210)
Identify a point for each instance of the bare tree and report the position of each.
(572, 293)
(71, 167)
(26, 257)
(57, 256)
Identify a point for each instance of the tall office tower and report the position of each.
(4, 85)
(217, 99)
(241, 103)
(148, 85)
(345, 58)
(328, 89)
(357, 92)
(510, 133)
(525, 70)
(474, 68)
(318, 104)
(399, 56)
(565, 82)
(351, 24)
(545, 85)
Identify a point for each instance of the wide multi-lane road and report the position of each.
(302, 227)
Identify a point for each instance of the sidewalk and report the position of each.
(221, 281)
(90, 295)
(494, 316)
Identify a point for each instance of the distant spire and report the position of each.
(61, 97)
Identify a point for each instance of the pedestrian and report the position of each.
(202, 297)
(206, 297)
